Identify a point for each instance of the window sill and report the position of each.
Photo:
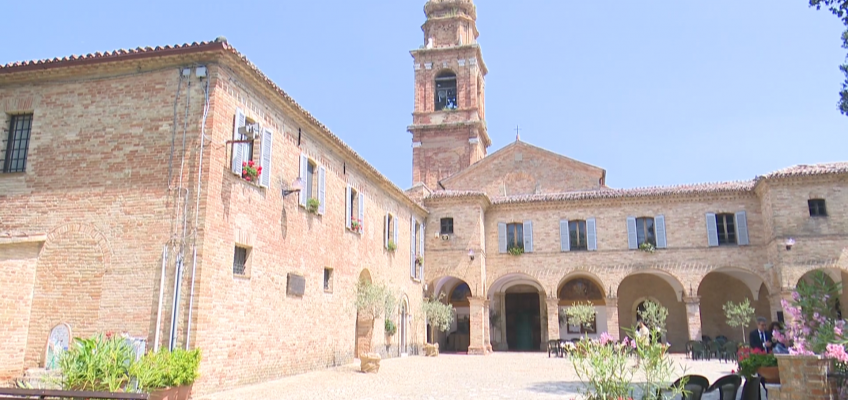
(241, 277)
(247, 182)
(355, 232)
(328, 291)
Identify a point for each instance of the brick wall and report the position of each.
(17, 261)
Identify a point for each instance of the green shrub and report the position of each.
(163, 369)
(312, 205)
(99, 363)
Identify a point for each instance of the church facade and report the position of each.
(125, 206)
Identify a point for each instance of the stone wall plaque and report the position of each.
(296, 285)
(57, 342)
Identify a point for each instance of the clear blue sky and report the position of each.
(657, 93)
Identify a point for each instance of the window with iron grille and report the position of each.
(446, 226)
(577, 235)
(726, 227)
(17, 143)
(817, 208)
(240, 261)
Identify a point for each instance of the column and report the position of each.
(612, 317)
(693, 316)
(477, 322)
(487, 334)
(776, 303)
(553, 319)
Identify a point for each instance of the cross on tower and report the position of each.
(517, 133)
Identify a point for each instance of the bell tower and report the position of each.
(448, 124)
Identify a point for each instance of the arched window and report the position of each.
(446, 91)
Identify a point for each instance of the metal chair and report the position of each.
(727, 386)
(554, 347)
(751, 390)
(712, 349)
(689, 348)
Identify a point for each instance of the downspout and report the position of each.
(161, 297)
(181, 258)
(197, 215)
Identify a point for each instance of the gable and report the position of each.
(521, 168)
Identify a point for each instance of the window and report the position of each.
(328, 280)
(446, 226)
(416, 247)
(17, 143)
(390, 232)
(726, 229)
(354, 210)
(645, 231)
(817, 208)
(354, 200)
(310, 180)
(446, 91)
(312, 195)
(240, 261)
(515, 236)
(577, 235)
(251, 129)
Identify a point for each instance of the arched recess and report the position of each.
(404, 324)
(454, 291)
(68, 286)
(581, 289)
(364, 324)
(517, 313)
(730, 284)
(446, 91)
(833, 276)
(661, 287)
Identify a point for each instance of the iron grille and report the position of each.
(17, 143)
(240, 261)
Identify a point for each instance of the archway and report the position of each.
(662, 288)
(364, 324)
(453, 291)
(726, 285)
(581, 289)
(403, 325)
(518, 303)
(831, 277)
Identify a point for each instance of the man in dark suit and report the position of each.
(760, 338)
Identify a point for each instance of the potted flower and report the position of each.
(250, 171)
(647, 247)
(167, 375)
(312, 205)
(757, 361)
(515, 250)
(391, 246)
(355, 225)
(419, 260)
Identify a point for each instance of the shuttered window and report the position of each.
(314, 183)
(577, 235)
(514, 236)
(726, 229)
(645, 231)
(265, 162)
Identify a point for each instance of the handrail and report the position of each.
(43, 394)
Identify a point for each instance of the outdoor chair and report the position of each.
(705, 338)
(557, 347)
(694, 388)
(689, 348)
(728, 352)
(721, 338)
(751, 390)
(712, 349)
(727, 386)
(698, 351)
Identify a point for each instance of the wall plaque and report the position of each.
(296, 285)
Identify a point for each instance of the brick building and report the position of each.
(123, 208)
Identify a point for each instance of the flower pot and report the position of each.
(770, 374)
(171, 393)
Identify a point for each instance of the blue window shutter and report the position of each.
(659, 230)
(386, 233)
(238, 148)
(591, 235)
(322, 182)
(421, 251)
(528, 236)
(741, 228)
(564, 238)
(712, 230)
(412, 247)
(394, 221)
(631, 234)
(348, 207)
(501, 237)
(361, 212)
(304, 194)
(267, 141)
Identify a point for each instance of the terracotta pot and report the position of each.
(770, 374)
(171, 393)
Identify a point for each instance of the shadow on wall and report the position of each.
(560, 388)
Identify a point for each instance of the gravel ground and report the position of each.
(497, 376)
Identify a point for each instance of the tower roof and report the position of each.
(442, 8)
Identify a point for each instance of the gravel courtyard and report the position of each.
(497, 376)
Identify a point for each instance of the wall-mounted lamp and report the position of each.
(789, 243)
(471, 254)
(296, 186)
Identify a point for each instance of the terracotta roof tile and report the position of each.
(720, 187)
(49, 62)
(451, 194)
(805, 170)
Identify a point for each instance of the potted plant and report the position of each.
(355, 225)
(99, 363)
(757, 361)
(167, 375)
(515, 250)
(391, 246)
(391, 328)
(419, 260)
(312, 205)
(250, 172)
(647, 247)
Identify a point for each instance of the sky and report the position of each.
(656, 93)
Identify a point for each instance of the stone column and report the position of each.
(612, 317)
(553, 318)
(487, 337)
(693, 316)
(477, 321)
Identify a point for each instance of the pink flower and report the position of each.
(778, 336)
(796, 296)
(606, 338)
(837, 330)
(837, 352)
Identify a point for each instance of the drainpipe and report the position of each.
(175, 310)
(161, 297)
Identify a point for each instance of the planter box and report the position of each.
(173, 393)
(806, 377)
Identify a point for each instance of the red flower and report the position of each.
(250, 163)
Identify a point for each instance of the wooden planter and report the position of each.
(172, 393)
(770, 374)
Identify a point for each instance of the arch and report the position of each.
(445, 91)
(365, 275)
(594, 278)
(728, 284)
(504, 282)
(834, 277)
(519, 302)
(445, 284)
(457, 337)
(661, 287)
(580, 289)
(364, 324)
(752, 281)
(666, 276)
(404, 321)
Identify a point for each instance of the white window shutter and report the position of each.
(238, 148)
(348, 207)
(412, 247)
(741, 228)
(421, 252)
(395, 230)
(564, 236)
(659, 230)
(304, 194)
(712, 230)
(322, 182)
(265, 162)
(631, 234)
(502, 237)
(361, 212)
(591, 235)
(386, 232)
(528, 236)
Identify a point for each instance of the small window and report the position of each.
(817, 208)
(389, 229)
(446, 226)
(311, 176)
(328, 280)
(17, 144)
(577, 235)
(446, 91)
(354, 206)
(240, 261)
(726, 227)
(515, 236)
(645, 231)
(417, 245)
